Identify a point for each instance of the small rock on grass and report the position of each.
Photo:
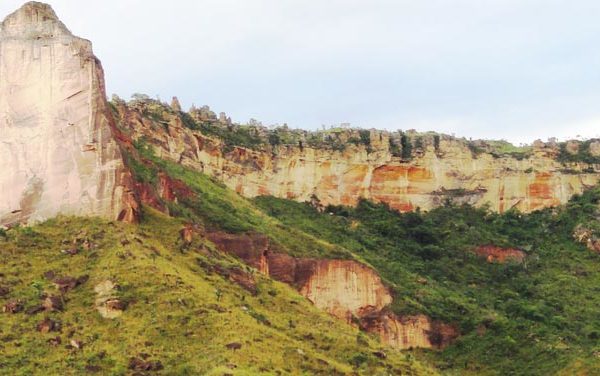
(138, 364)
(48, 325)
(13, 306)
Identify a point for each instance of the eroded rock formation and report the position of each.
(587, 236)
(58, 153)
(408, 332)
(346, 289)
(450, 170)
(252, 248)
(167, 189)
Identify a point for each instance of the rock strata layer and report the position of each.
(58, 153)
(450, 170)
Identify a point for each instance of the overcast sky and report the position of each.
(502, 69)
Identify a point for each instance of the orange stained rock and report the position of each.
(344, 288)
(494, 253)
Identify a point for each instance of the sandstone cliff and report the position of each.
(433, 174)
(345, 288)
(58, 154)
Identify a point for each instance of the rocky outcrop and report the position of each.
(409, 331)
(587, 236)
(595, 148)
(58, 153)
(165, 190)
(253, 249)
(354, 292)
(500, 255)
(107, 302)
(434, 174)
(346, 289)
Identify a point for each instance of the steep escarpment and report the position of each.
(346, 289)
(433, 264)
(343, 166)
(58, 153)
(406, 332)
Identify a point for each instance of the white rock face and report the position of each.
(57, 150)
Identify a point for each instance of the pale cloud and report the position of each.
(512, 69)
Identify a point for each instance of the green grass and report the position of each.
(180, 312)
(500, 148)
(538, 318)
(533, 319)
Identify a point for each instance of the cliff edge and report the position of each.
(406, 170)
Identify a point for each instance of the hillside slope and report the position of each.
(519, 289)
(186, 299)
(533, 313)
(177, 304)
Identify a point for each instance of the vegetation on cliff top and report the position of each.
(582, 152)
(253, 135)
(405, 145)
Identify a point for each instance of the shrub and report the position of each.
(359, 359)
(406, 147)
(436, 142)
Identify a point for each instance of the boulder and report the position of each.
(66, 284)
(107, 302)
(13, 306)
(48, 325)
(56, 341)
(75, 344)
(234, 346)
(500, 255)
(53, 303)
(141, 365)
(588, 237)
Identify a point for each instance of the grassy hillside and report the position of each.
(186, 303)
(181, 309)
(536, 318)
